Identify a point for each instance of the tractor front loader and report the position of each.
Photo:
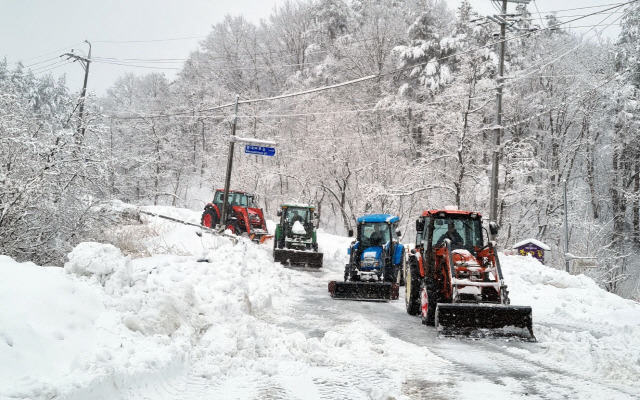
(295, 241)
(454, 281)
(376, 261)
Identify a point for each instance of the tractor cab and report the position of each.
(297, 225)
(455, 282)
(376, 262)
(374, 249)
(295, 239)
(243, 215)
(236, 199)
(463, 229)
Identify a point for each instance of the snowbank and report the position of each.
(102, 261)
(47, 321)
(202, 311)
(106, 322)
(576, 322)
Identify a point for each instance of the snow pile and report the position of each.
(102, 261)
(298, 228)
(106, 322)
(47, 321)
(224, 320)
(575, 321)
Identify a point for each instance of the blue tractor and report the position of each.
(376, 261)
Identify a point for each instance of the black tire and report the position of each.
(235, 228)
(389, 274)
(400, 271)
(432, 297)
(209, 218)
(412, 288)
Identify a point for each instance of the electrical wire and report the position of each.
(41, 62)
(53, 65)
(538, 11)
(50, 69)
(587, 7)
(378, 76)
(555, 57)
(150, 41)
(47, 54)
(569, 100)
(134, 65)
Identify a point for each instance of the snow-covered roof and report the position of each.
(379, 218)
(532, 241)
(300, 205)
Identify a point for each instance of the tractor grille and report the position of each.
(254, 220)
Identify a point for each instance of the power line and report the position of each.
(378, 76)
(52, 66)
(47, 54)
(150, 41)
(144, 60)
(570, 99)
(134, 65)
(588, 7)
(554, 58)
(40, 62)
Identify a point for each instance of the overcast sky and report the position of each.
(39, 31)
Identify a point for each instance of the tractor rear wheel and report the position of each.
(400, 271)
(412, 288)
(209, 218)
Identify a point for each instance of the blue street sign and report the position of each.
(260, 150)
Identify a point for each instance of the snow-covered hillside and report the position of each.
(204, 318)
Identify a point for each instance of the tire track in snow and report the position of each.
(471, 360)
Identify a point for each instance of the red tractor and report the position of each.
(454, 280)
(243, 216)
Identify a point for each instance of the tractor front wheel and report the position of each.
(234, 228)
(428, 301)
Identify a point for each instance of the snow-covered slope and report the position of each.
(202, 313)
(577, 324)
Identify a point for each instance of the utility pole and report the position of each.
(493, 213)
(566, 229)
(84, 61)
(227, 182)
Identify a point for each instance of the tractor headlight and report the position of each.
(370, 262)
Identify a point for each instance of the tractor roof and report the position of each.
(430, 213)
(235, 191)
(379, 218)
(298, 205)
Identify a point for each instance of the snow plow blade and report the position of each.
(260, 236)
(364, 290)
(298, 258)
(484, 320)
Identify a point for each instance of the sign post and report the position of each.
(257, 146)
(227, 181)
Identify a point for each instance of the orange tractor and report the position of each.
(454, 280)
(243, 216)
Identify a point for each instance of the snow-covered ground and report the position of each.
(201, 317)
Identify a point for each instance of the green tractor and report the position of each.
(295, 241)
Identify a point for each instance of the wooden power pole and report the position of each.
(84, 61)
